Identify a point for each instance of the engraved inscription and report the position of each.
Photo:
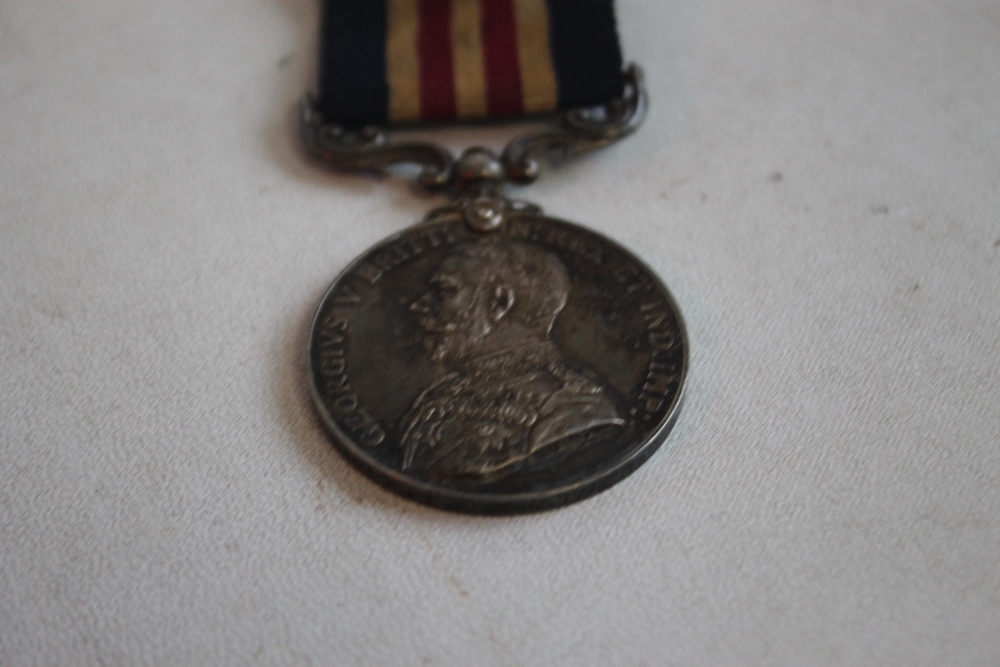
(634, 277)
(333, 369)
(528, 230)
(351, 290)
(661, 375)
(369, 273)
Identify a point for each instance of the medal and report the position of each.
(489, 359)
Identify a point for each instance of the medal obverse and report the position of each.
(510, 370)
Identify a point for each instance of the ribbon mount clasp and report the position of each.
(478, 172)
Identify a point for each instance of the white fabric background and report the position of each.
(818, 183)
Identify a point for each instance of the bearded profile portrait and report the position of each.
(509, 394)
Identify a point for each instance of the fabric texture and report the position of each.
(414, 61)
(817, 182)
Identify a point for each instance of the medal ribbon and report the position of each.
(409, 61)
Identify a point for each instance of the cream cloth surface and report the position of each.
(817, 182)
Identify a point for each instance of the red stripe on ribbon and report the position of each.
(437, 72)
(500, 59)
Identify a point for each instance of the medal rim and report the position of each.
(468, 502)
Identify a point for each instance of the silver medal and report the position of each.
(491, 359)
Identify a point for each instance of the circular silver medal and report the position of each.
(511, 370)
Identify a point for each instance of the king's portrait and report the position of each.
(508, 395)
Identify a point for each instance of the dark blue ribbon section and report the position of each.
(585, 52)
(352, 78)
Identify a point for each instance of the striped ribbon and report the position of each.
(406, 61)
